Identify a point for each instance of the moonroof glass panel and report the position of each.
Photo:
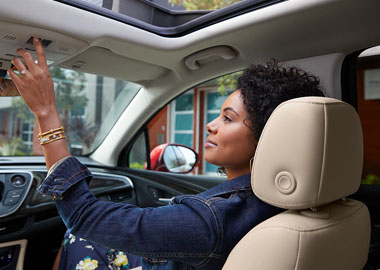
(184, 4)
(95, 2)
(170, 18)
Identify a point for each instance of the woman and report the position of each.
(195, 231)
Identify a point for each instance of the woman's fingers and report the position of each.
(40, 52)
(19, 65)
(30, 63)
(16, 79)
(27, 57)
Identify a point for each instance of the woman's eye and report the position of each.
(226, 118)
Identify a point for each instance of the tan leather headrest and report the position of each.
(310, 153)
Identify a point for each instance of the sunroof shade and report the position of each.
(170, 18)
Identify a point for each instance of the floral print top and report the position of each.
(80, 254)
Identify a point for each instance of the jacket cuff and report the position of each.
(69, 172)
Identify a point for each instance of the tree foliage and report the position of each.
(70, 98)
(203, 4)
(228, 82)
(69, 89)
(10, 147)
(69, 92)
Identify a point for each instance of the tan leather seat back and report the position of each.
(292, 241)
(309, 155)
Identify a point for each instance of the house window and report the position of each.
(182, 120)
(27, 134)
(213, 104)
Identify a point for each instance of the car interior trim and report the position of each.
(21, 255)
(348, 79)
(111, 176)
(24, 188)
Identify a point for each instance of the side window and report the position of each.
(138, 153)
(183, 121)
(368, 96)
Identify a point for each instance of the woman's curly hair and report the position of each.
(264, 87)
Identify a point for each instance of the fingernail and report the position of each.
(36, 39)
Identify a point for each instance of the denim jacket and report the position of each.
(193, 232)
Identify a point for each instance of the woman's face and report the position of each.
(230, 143)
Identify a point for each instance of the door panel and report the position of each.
(152, 188)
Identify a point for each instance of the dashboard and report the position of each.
(31, 230)
(26, 213)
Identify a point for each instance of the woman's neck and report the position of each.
(233, 173)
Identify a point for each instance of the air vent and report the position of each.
(9, 37)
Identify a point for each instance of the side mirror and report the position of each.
(174, 158)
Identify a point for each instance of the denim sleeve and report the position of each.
(69, 172)
(173, 231)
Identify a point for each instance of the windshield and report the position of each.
(89, 106)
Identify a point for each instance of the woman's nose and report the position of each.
(212, 126)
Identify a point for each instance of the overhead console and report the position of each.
(58, 47)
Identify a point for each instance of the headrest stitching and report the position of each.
(283, 203)
(312, 102)
(321, 227)
(298, 251)
(323, 153)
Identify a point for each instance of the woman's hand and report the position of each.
(34, 83)
(37, 89)
(8, 88)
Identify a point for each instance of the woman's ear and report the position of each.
(248, 123)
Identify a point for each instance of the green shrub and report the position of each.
(371, 179)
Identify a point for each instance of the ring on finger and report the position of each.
(23, 71)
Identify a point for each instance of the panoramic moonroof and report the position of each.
(187, 5)
(170, 18)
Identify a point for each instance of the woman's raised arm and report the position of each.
(37, 89)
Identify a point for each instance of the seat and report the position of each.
(308, 160)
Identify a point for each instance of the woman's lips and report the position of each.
(210, 144)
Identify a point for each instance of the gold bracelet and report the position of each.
(52, 138)
(43, 134)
